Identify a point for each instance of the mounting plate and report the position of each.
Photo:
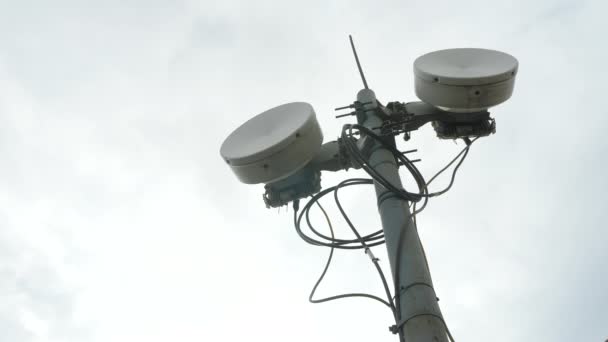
(466, 79)
(274, 144)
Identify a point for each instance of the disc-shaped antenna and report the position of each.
(466, 79)
(274, 144)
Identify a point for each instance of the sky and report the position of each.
(119, 221)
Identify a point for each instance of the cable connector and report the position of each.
(296, 205)
(371, 255)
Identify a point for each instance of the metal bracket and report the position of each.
(301, 184)
(407, 117)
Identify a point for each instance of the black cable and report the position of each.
(355, 153)
(371, 237)
(340, 243)
(331, 253)
(374, 239)
(464, 151)
(367, 251)
(412, 216)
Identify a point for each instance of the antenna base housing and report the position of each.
(301, 184)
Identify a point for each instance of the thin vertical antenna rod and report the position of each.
(358, 63)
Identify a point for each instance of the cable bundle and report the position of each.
(355, 153)
(376, 238)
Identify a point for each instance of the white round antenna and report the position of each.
(274, 144)
(465, 80)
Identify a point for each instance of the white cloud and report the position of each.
(119, 221)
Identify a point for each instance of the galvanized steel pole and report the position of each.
(417, 302)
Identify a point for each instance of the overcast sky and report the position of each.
(119, 221)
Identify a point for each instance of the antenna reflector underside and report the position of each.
(465, 79)
(274, 144)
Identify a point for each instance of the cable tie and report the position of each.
(417, 283)
(395, 328)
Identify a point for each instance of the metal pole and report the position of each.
(417, 300)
